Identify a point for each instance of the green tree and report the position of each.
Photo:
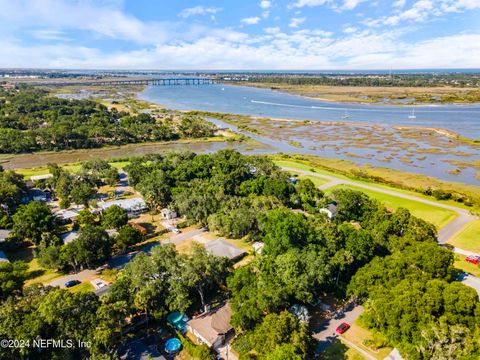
(127, 236)
(114, 217)
(32, 220)
(12, 278)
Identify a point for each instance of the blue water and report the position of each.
(462, 119)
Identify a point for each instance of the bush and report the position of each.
(197, 352)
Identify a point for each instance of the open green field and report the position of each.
(36, 273)
(468, 238)
(338, 351)
(436, 215)
(461, 264)
(400, 181)
(83, 287)
(74, 167)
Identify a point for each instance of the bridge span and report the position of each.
(156, 82)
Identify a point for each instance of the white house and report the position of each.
(168, 214)
(41, 177)
(330, 210)
(134, 206)
(211, 328)
(67, 215)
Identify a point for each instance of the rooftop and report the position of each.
(221, 247)
(213, 324)
(136, 203)
(69, 236)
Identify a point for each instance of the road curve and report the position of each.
(444, 234)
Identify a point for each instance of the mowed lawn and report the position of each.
(36, 273)
(465, 266)
(338, 350)
(468, 238)
(436, 215)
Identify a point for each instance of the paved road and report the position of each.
(81, 276)
(325, 333)
(472, 281)
(119, 262)
(444, 234)
(465, 252)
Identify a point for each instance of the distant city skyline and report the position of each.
(240, 35)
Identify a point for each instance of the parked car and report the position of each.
(473, 259)
(342, 328)
(71, 283)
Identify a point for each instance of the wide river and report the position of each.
(461, 119)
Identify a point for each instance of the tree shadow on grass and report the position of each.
(336, 351)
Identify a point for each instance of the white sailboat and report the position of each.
(345, 115)
(412, 116)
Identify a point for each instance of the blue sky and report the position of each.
(247, 34)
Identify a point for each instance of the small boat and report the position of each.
(345, 116)
(412, 116)
(223, 89)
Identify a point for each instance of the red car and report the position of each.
(473, 259)
(342, 328)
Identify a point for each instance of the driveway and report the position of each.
(472, 281)
(325, 332)
(82, 276)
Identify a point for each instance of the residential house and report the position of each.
(330, 210)
(68, 237)
(67, 215)
(223, 248)
(140, 228)
(212, 328)
(168, 214)
(133, 206)
(36, 194)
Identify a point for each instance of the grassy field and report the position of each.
(358, 334)
(74, 167)
(36, 273)
(368, 94)
(468, 238)
(83, 287)
(436, 215)
(338, 350)
(402, 182)
(461, 264)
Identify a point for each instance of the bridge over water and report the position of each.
(158, 82)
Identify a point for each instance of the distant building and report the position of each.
(330, 210)
(67, 215)
(3, 257)
(4, 234)
(140, 228)
(213, 327)
(133, 206)
(258, 247)
(36, 194)
(223, 248)
(41, 177)
(168, 214)
(68, 237)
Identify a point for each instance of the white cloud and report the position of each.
(272, 30)
(199, 10)
(54, 35)
(251, 20)
(349, 29)
(265, 4)
(337, 5)
(296, 22)
(351, 4)
(399, 3)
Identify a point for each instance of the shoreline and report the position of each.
(356, 102)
